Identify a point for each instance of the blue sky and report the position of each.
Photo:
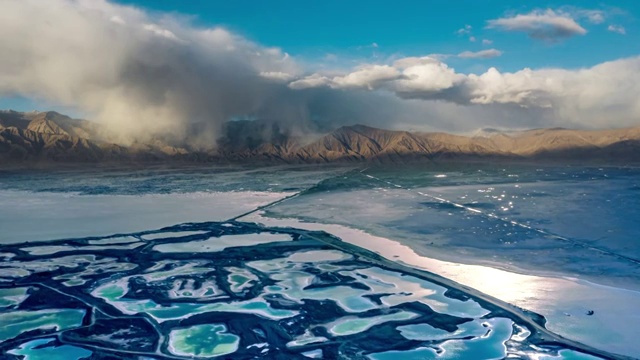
(313, 29)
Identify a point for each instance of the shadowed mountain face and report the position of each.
(360, 143)
(50, 136)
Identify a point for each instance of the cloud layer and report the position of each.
(598, 96)
(138, 74)
(482, 54)
(146, 75)
(617, 29)
(547, 24)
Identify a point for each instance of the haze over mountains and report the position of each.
(52, 137)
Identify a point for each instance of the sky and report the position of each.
(312, 30)
(154, 66)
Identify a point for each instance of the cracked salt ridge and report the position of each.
(426, 292)
(48, 250)
(170, 234)
(215, 244)
(190, 269)
(114, 240)
(293, 285)
(377, 277)
(113, 291)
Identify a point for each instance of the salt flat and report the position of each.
(30, 216)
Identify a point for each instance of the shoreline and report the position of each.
(439, 255)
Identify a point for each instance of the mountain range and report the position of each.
(53, 137)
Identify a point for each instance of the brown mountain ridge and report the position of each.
(53, 137)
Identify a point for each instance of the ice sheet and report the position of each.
(47, 216)
(397, 208)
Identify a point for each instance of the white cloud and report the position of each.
(373, 45)
(617, 29)
(487, 42)
(277, 76)
(311, 81)
(426, 77)
(416, 61)
(594, 16)
(543, 25)
(140, 75)
(118, 20)
(466, 30)
(525, 88)
(159, 31)
(365, 77)
(602, 95)
(331, 57)
(482, 54)
(407, 75)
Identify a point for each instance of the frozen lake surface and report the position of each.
(561, 242)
